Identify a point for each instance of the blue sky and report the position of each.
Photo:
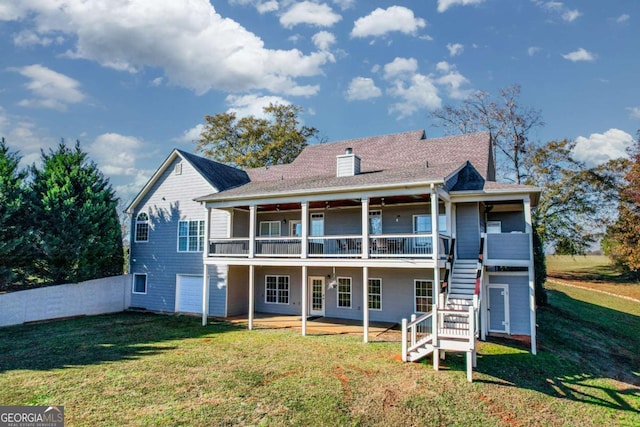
(132, 79)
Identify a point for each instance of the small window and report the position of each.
(375, 294)
(423, 295)
(295, 228)
(139, 283)
(375, 222)
(191, 236)
(270, 228)
(177, 169)
(276, 290)
(344, 292)
(142, 227)
(494, 227)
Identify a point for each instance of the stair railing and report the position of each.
(416, 332)
(477, 294)
(449, 268)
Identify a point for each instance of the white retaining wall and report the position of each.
(99, 296)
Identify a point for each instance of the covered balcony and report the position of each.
(382, 227)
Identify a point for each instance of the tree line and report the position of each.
(58, 221)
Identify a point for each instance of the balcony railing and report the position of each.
(343, 246)
(505, 247)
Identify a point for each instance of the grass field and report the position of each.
(594, 272)
(142, 369)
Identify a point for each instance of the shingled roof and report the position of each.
(219, 175)
(385, 152)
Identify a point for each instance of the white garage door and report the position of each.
(189, 294)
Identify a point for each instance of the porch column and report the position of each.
(365, 304)
(251, 294)
(252, 231)
(365, 227)
(448, 213)
(435, 242)
(304, 222)
(231, 218)
(205, 295)
(304, 300)
(532, 290)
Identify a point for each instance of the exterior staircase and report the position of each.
(463, 284)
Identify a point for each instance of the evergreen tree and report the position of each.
(77, 225)
(15, 229)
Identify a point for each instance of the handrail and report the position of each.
(479, 274)
(420, 331)
(449, 266)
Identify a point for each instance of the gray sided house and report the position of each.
(384, 228)
(167, 235)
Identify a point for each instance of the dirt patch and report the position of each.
(499, 411)
(339, 373)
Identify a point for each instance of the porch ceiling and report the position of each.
(343, 203)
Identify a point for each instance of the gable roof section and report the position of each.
(219, 176)
(385, 152)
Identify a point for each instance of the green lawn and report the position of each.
(143, 369)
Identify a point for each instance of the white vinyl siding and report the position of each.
(276, 290)
(375, 294)
(191, 236)
(344, 292)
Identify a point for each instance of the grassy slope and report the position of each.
(594, 272)
(140, 369)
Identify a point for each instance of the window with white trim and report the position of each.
(375, 222)
(344, 292)
(270, 228)
(375, 294)
(422, 225)
(191, 236)
(142, 227)
(317, 224)
(276, 290)
(139, 284)
(423, 291)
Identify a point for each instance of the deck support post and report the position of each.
(469, 366)
(305, 279)
(251, 294)
(365, 304)
(532, 290)
(304, 239)
(252, 230)
(365, 228)
(205, 295)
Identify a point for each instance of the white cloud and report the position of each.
(195, 46)
(362, 88)
(558, 8)
(623, 18)
(252, 105)
(579, 55)
(417, 93)
(116, 154)
(443, 5)
(600, 147)
(634, 112)
(51, 89)
(399, 67)
(190, 135)
(306, 12)
(267, 6)
(28, 38)
(453, 81)
(157, 81)
(345, 4)
(533, 50)
(383, 21)
(23, 136)
(323, 40)
(571, 15)
(455, 49)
